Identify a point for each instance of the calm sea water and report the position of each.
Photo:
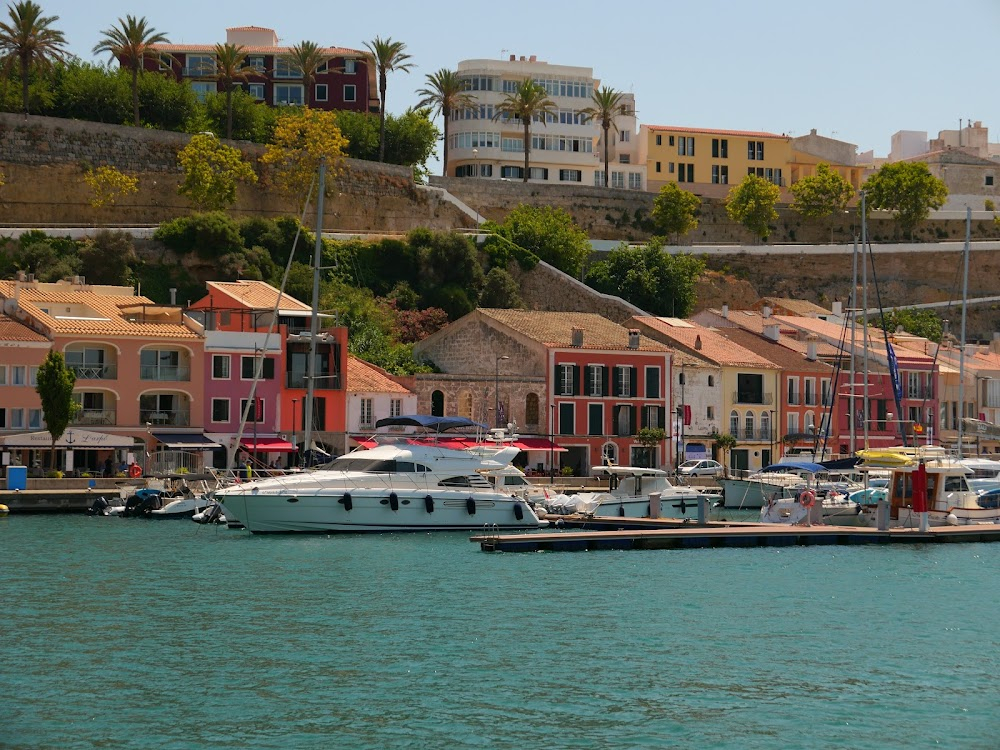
(121, 633)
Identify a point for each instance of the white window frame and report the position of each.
(18, 375)
(32, 375)
(325, 95)
(350, 66)
(17, 418)
(566, 380)
(257, 91)
(228, 368)
(596, 385)
(284, 68)
(601, 405)
(366, 412)
(258, 418)
(255, 63)
(228, 410)
(35, 420)
(288, 88)
(623, 373)
(395, 407)
(3, 374)
(350, 92)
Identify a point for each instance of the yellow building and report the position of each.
(709, 162)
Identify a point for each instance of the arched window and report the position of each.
(734, 423)
(609, 454)
(437, 404)
(749, 425)
(465, 404)
(765, 426)
(810, 422)
(531, 409)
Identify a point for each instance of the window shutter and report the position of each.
(576, 380)
(605, 374)
(588, 379)
(661, 417)
(645, 416)
(633, 377)
(616, 384)
(631, 420)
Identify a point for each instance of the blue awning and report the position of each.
(192, 441)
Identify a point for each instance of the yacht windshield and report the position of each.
(375, 466)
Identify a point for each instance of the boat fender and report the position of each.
(621, 511)
(807, 498)
(470, 505)
(518, 511)
(346, 500)
(394, 501)
(429, 504)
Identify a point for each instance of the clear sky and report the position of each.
(856, 70)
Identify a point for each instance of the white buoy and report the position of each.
(4, 510)
(952, 519)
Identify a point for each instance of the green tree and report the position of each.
(48, 258)
(650, 438)
(55, 389)
(752, 202)
(301, 138)
(230, 68)
(527, 101)
(387, 56)
(607, 105)
(109, 258)
(822, 194)
(725, 443)
(212, 171)
(129, 42)
(108, 184)
(909, 189)
(546, 232)
(84, 91)
(29, 40)
(675, 210)
(250, 120)
(307, 57)
(648, 277)
(211, 235)
(926, 323)
(445, 94)
(500, 290)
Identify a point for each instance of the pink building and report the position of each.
(22, 350)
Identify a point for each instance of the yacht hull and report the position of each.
(372, 510)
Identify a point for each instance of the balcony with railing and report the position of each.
(165, 372)
(323, 382)
(94, 417)
(751, 397)
(794, 399)
(166, 417)
(94, 372)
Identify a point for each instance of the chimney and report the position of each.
(725, 310)
(513, 58)
(970, 350)
(533, 58)
(577, 339)
(523, 59)
(633, 338)
(838, 308)
(173, 295)
(765, 311)
(772, 332)
(811, 349)
(697, 342)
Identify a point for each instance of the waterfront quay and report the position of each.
(659, 534)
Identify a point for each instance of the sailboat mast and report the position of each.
(307, 407)
(854, 325)
(961, 352)
(864, 311)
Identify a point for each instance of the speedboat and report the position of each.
(629, 490)
(950, 499)
(783, 481)
(404, 486)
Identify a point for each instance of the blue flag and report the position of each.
(897, 385)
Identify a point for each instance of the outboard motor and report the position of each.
(99, 508)
(142, 503)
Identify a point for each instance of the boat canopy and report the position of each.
(797, 465)
(428, 422)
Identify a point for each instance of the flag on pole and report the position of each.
(897, 384)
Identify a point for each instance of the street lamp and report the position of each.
(496, 390)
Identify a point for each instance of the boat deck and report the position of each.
(628, 534)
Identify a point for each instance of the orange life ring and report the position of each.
(135, 471)
(807, 498)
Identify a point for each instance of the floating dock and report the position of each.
(628, 534)
(54, 501)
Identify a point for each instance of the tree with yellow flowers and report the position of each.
(107, 185)
(212, 172)
(301, 137)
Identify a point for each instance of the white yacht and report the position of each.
(629, 488)
(985, 474)
(404, 486)
(784, 480)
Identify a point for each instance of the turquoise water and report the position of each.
(126, 633)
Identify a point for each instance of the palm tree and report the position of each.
(387, 56)
(607, 106)
(28, 40)
(230, 60)
(307, 57)
(129, 42)
(527, 101)
(445, 93)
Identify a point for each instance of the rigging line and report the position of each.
(885, 337)
(259, 362)
(835, 386)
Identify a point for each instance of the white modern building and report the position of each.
(566, 148)
(372, 395)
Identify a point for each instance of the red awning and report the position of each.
(268, 445)
(538, 444)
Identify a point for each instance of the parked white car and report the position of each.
(704, 467)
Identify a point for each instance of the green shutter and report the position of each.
(605, 375)
(615, 385)
(631, 421)
(633, 375)
(557, 381)
(645, 417)
(661, 417)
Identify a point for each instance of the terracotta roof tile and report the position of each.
(364, 377)
(251, 49)
(713, 131)
(795, 306)
(556, 329)
(780, 355)
(257, 295)
(706, 343)
(12, 329)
